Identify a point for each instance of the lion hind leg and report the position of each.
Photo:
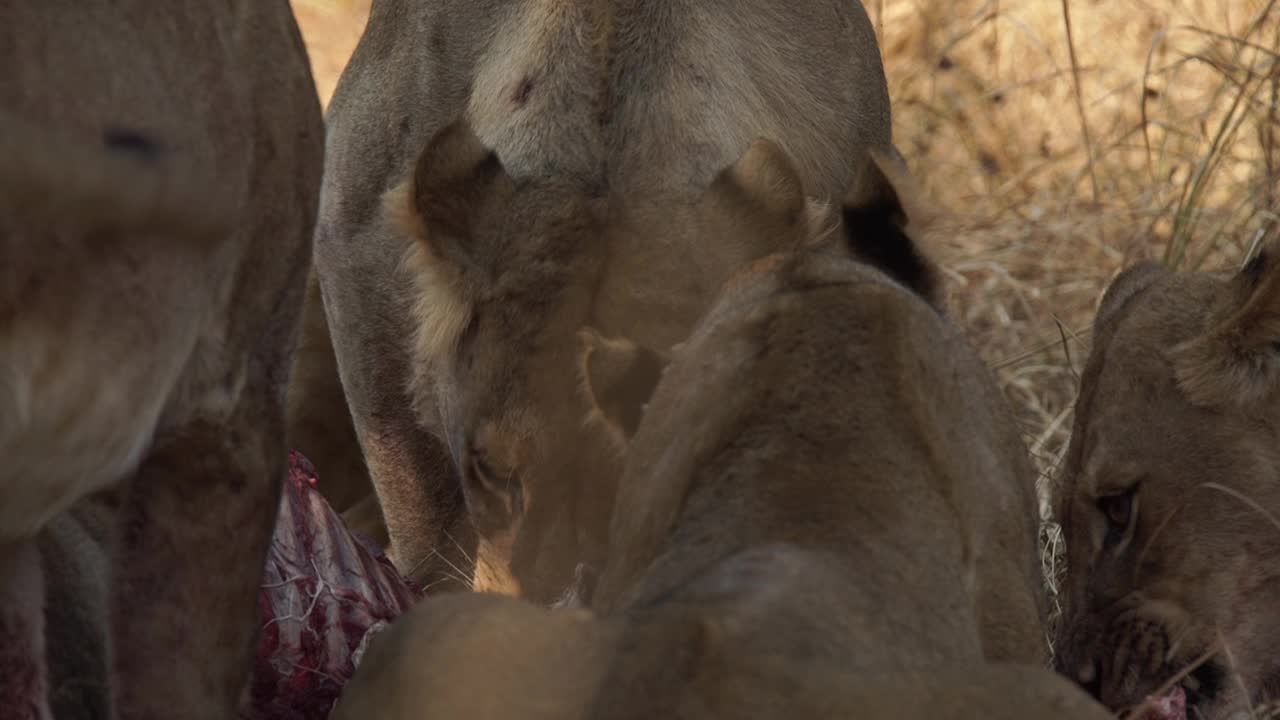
(193, 536)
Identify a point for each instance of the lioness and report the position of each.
(1171, 491)
(644, 102)
(878, 443)
(318, 421)
(817, 518)
(159, 172)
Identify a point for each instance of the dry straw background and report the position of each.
(1065, 140)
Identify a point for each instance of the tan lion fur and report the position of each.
(1177, 421)
(878, 442)
(642, 103)
(488, 657)
(159, 175)
(817, 518)
(525, 263)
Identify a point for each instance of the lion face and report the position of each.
(1172, 491)
(507, 272)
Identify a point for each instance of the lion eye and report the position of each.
(483, 472)
(505, 485)
(494, 498)
(1118, 509)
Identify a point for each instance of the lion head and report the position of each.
(507, 271)
(1172, 490)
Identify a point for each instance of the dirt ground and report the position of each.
(1065, 140)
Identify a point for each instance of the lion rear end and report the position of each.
(159, 167)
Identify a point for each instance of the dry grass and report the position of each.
(1153, 133)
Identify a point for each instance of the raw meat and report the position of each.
(324, 590)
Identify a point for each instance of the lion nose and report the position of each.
(1090, 679)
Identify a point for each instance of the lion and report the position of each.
(159, 180)
(1169, 493)
(491, 657)
(774, 425)
(640, 103)
(318, 421)
(815, 519)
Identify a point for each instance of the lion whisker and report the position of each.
(1231, 663)
(1155, 534)
(1176, 645)
(465, 555)
(1244, 499)
(458, 576)
(428, 587)
(461, 573)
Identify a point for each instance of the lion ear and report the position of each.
(882, 216)
(619, 377)
(1237, 359)
(439, 203)
(762, 198)
(437, 208)
(763, 181)
(1127, 285)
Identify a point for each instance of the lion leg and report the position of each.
(194, 533)
(432, 541)
(23, 678)
(318, 419)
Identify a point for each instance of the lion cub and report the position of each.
(1171, 492)
(825, 512)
